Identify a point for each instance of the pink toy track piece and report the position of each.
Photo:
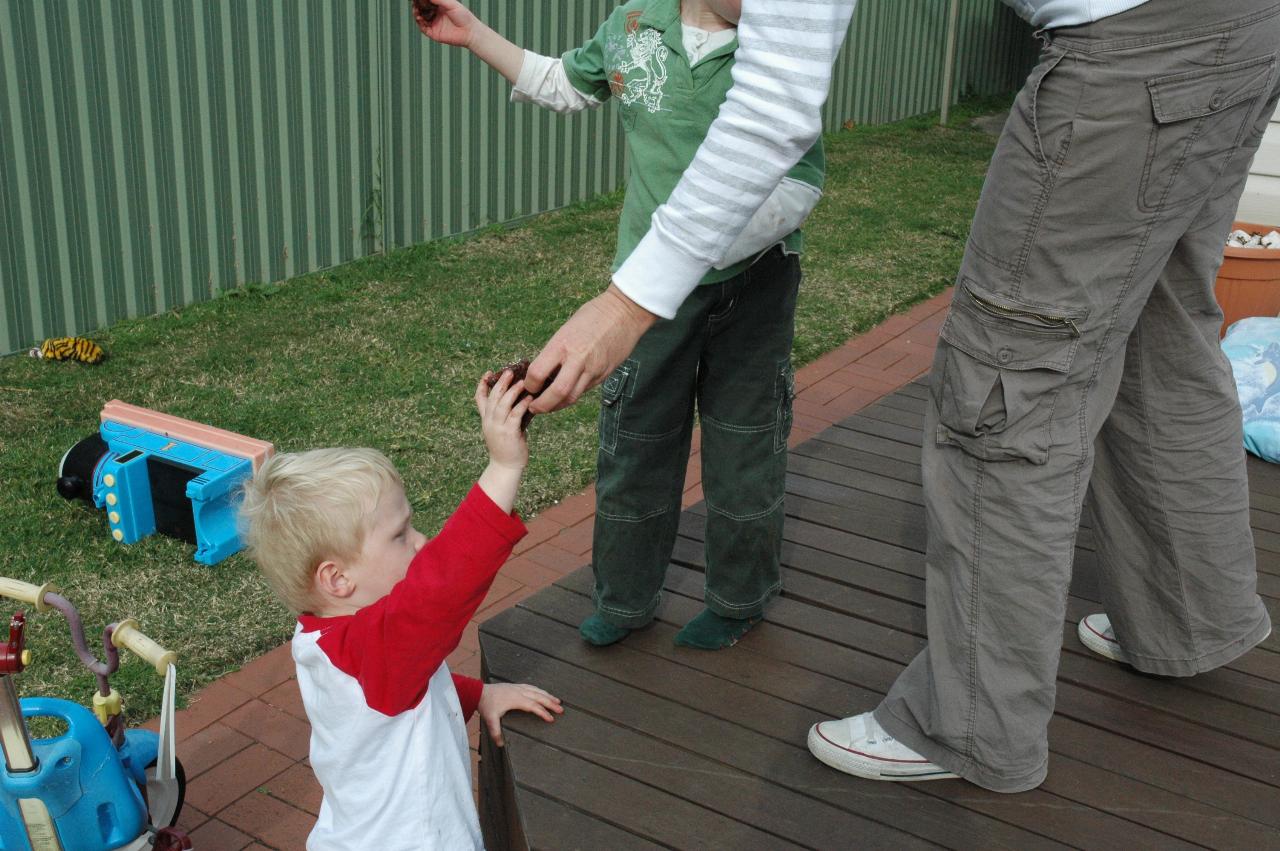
(188, 431)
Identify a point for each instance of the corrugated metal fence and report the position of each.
(153, 152)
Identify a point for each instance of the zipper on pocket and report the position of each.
(1028, 317)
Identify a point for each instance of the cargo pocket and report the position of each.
(619, 386)
(1200, 118)
(1005, 361)
(784, 394)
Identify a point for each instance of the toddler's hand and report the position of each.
(452, 23)
(501, 412)
(497, 699)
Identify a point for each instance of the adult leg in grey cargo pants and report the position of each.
(1081, 351)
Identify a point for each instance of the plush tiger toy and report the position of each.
(80, 349)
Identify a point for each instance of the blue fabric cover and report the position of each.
(1252, 346)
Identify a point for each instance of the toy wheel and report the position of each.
(75, 471)
(180, 774)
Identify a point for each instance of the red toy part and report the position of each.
(171, 839)
(13, 655)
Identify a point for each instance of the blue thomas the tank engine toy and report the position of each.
(154, 472)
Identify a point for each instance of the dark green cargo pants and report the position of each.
(728, 350)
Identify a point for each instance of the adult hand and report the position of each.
(588, 347)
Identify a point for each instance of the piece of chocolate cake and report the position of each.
(518, 369)
(426, 9)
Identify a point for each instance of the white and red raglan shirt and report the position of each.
(388, 721)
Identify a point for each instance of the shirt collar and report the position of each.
(664, 16)
(661, 14)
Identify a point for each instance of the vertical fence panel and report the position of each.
(153, 153)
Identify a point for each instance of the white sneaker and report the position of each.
(858, 745)
(1096, 633)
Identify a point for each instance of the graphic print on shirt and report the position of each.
(639, 64)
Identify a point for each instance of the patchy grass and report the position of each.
(385, 352)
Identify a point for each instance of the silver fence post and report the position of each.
(948, 70)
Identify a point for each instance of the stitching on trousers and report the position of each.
(1177, 562)
(622, 518)
(973, 246)
(1172, 174)
(974, 595)
(624, 613)
(741, 517)
(1086, 445)
(713, 317)
(1035, 108)
(724, 314)
(650, 438)
(1049, 172)
(773, 589)
(1049, 179)
(739, 429)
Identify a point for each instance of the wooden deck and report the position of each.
(667, 747)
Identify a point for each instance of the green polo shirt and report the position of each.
(637, 57)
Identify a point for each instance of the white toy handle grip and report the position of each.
(128, 635)
(26, 592)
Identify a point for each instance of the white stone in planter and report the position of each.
(1244, 239)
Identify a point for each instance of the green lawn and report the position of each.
(385, 352)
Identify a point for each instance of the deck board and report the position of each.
(663, 746)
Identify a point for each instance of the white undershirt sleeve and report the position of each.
(543, 82)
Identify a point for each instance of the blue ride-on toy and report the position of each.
(95, 786)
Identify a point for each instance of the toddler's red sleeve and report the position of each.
(394, 646)
(469, 691)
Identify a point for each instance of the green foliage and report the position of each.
(385, 352)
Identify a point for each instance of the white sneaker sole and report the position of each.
(1099, 644)
(872, 768)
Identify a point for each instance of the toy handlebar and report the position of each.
(127, 634)
(26, 592)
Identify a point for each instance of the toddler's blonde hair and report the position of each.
(301, 509)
